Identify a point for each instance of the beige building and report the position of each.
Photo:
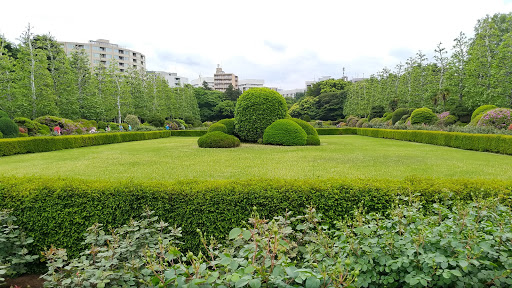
(221, 80)
(103, 52)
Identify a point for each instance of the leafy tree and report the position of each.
(231, 93)
(78, 103)
(206, 86)
(329, 106)
(225, 109)
(6, 78)
(207, 100)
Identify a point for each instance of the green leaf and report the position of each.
(312, 282)
(301, 227)
(447, 274)
(246, 234)
(255, 283)
(456, 272)
(463, 263)
(241, 283)
(234, 233)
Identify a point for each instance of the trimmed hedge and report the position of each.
(336, 131)
(285, 132)
(188, 133)
(45, 144)
(58, 211)
(423, 116)
(218, 127)
(480, 110)
(218, 139)
(479, 142)
(230, 125)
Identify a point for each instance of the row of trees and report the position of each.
(475, 72)
(37, 78)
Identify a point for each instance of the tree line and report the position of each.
(476, 71)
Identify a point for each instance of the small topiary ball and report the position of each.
(423, 116)
(285, 132)
(312, 138)
(217, 139)
(8, 128)
(218, 127)
(481, 110)
(499, 118)
(255, 110)
(230, 125)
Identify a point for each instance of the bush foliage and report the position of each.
(285, 132)
(312, 134)
(230, 125)
(481, 110)
(255, 110)
(499, 118)
(8, 128)
(218, 127)
(398, 114)
(218, 139)
(423, 116)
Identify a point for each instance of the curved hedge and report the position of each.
(312, 134)
(218, 139)
(255, 110)
(218, 127)
(481, 110)
(398, 114)
(423, 116)
(45, 144)
(58, 211)
(230, 125)
(285, 132)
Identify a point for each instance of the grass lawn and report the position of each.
(179, 158)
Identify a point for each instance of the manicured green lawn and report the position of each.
(179, 158)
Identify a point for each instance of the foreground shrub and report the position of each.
(285, 132)
(499, 118)
(218, 139)
(255, 110)
(8, 128)
(408, 248)
(312, 134)
(218, 127)
(423, 116)
(480, 110)
(398, 114)
(13, 253)
(230, 125)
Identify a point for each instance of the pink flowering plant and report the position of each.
(499, 118)
(443, 115)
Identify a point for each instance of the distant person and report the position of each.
(120, 127)
(93, 130)
(108, 128)
(129, 127)
(167, 127)
(56, 129)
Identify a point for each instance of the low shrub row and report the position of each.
(479, 142)
(45, 144)
(336, 131)
(188, 133)
(58, 211)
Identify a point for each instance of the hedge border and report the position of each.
(336, 131)
(53, 143)
(188, 133)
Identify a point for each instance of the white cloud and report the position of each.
(283, 42)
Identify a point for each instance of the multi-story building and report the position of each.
(290, 93)
(172, 78)
(222, 80)
(246, 84)
(102, 52)
(199, 82)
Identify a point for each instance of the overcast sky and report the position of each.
(283, 42)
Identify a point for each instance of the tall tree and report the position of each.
(6, 78)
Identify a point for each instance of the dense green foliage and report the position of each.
(255, 110)
(61, 210)
(3, 114)
(399, 113)
(230, 125)
(188, 133)
(481, 110)
(285, 132)
(218, 127)
(336, 131)
(312, 136)
(8, 128)
(45, 144)
(132, 120)
(423, 116)
(218, 139)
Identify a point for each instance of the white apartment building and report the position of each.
(172, 78)
(102, 52)
(291, 93)
(246, 84)
(222, 80)
(199, 82)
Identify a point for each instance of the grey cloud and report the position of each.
(276, 47)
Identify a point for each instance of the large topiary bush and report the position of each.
(230, 125)
(8, 128)
(423, 116)
(285, 132)
(398, 114)
(312, 134)
(132, 120)
(481, 110)
(218, 127)
(217, 139)
(255, 110)
(499, 118)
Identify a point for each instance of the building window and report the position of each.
(97, 55)
(135, 66)
(103, 55)
(96, 48)
(121, 70)
(134, 60)
(109, 50)
(134, 54)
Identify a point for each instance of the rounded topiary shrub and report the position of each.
(255, 110)
(230, 125)
(423, 116)
(218, 127)
(312, 134)
(361, 122)
(102, 125)
(398, 114)
(499, 118)
(217, 139)
(132, 120)
(8, 128)
(285, 132)
(481, 110)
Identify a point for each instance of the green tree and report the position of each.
(6, 78)
(231, 93)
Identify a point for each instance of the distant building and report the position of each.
(172, 78)
(323, 78)
(290, 93)
(246, 84)
(199, 82)
(354, 80)
(222, 80)
(102, 52)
